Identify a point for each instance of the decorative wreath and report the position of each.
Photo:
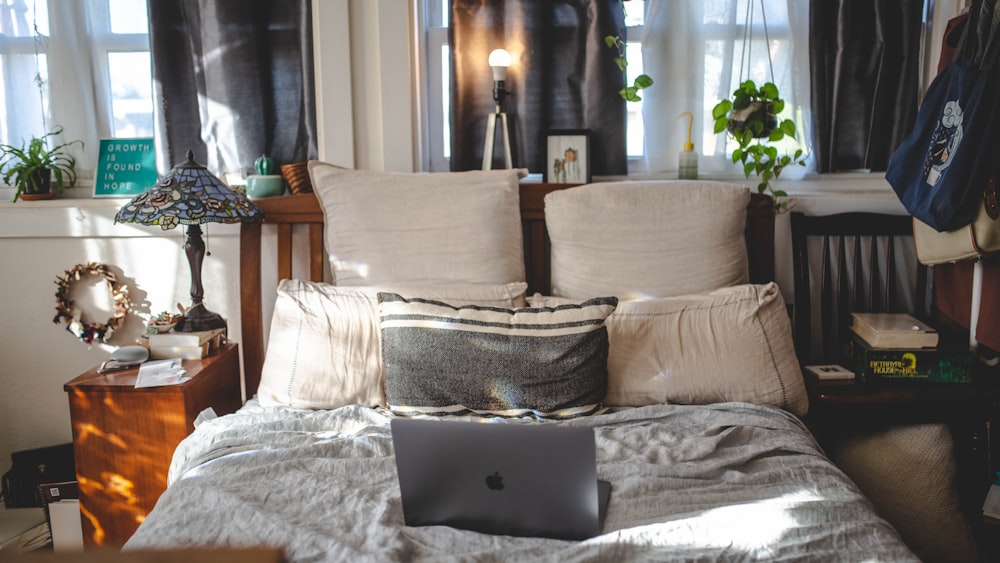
(64, 305)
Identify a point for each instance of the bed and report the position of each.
(698, 391)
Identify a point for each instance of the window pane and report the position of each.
(635, 135)
(131, 94)
(635, 12)
(19, 17)
(446, 99)
(128, 16)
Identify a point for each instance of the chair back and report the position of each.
(846, 263)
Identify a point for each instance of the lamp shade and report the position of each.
(189, 195)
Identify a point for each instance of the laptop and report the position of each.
(535, 480)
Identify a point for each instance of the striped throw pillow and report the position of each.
(443, 359)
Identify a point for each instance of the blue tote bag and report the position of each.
(939, 172)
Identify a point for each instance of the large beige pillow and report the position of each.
(388, 227)
(647, 239)
(324, 349)
(732, 344)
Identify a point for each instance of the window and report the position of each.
(691, 48)
(83, 66)
(438, 131)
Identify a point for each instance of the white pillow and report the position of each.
(647, 239)
(388, 227)
(733, 344)
(324, 349)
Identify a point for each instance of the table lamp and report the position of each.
(191, 195)
(499, 61)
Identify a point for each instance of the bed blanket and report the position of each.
(729, 481)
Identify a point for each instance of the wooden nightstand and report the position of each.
(123, 438)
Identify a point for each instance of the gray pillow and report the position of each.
(443, 359)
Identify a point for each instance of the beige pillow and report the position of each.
(647, 239)
(324, 348)
(388, 227)
(733, 344)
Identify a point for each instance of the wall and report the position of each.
(367, 120)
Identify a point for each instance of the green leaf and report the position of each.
(775, 135)
(788, 127)
(777, 106)
(737, 155)
(772, 152)
(721, 109)
(748, 169)
(798, 154)
(740, 101)
(780, 193)
(756, 127)
(610, 40)
(643, 81)
(629, 93)
(785, 160)
(620, 63)
(720, 124)
(766, 176)
(762, 187)
(770, 91)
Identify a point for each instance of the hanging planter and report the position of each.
(750, 116)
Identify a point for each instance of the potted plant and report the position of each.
(750, 116)
(34, 169)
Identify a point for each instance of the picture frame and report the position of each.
(567, 156)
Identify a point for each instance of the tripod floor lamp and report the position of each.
(499, 61)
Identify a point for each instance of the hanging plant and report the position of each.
(750, 116)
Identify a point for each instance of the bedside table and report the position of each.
(124, 438)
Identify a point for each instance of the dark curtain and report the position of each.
(865, 63)
(233, 80)
(562, 77)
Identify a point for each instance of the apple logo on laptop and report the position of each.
(495, 481)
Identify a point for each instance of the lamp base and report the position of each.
(198, 318)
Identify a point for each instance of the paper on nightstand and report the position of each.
(161, 372)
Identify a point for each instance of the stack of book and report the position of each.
(186, 345)
(898, 346)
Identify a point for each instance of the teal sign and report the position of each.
(125, 167)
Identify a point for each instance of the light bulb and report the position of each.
(499, 61)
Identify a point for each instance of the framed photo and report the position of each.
(567, 156)
(125, 167)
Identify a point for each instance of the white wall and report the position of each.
(367, 120)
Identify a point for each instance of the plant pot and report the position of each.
(41, 187)
(755, 112)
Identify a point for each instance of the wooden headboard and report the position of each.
(303, 209)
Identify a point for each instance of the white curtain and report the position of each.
(65, 62)
(693, 50)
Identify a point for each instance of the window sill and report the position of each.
(75, 213)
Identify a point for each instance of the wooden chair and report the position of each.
(858, 272)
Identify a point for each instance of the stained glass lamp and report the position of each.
(191, 195)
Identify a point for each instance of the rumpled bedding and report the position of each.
(729, 481)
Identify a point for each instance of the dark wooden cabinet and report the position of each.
(124, 438)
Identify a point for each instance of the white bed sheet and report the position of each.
(730, 481)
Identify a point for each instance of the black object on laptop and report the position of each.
(536, 480)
